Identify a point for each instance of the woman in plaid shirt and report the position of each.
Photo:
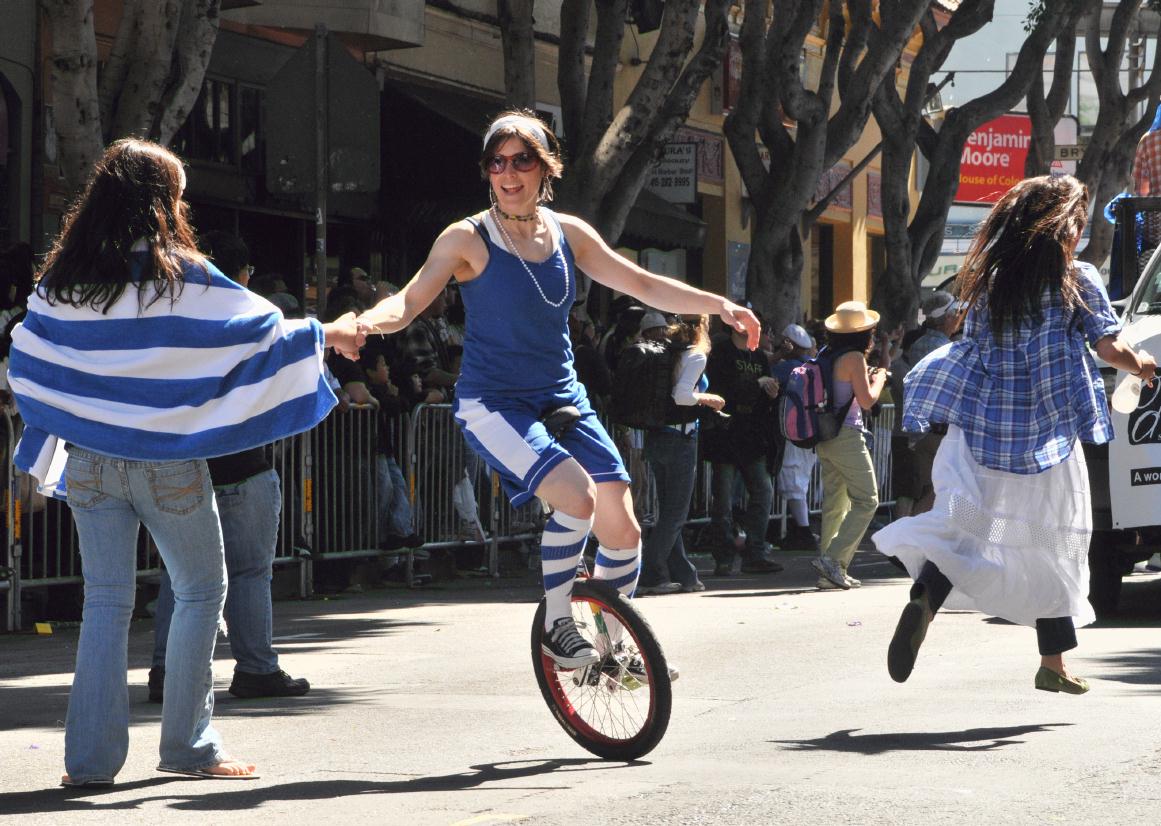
(1017, 394)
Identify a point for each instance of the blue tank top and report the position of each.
(515, 342)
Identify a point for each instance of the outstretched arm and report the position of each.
(607, 267)
(449, 254)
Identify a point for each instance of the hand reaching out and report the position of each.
(739, 318)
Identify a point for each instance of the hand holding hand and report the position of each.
(742, 320)
(346, 335)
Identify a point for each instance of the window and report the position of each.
(224, 126)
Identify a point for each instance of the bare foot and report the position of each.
(232, 768)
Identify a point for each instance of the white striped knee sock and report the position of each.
(619, 567)
(560, 550)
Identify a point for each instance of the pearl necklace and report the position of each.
(523, 263)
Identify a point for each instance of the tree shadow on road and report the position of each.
(973, 739)
(242, 795)
(1137, 668)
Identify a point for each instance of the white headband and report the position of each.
(531, 124)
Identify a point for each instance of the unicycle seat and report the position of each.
(560, 420)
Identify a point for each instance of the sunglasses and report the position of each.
(521, 162)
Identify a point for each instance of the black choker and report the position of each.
(530, 217)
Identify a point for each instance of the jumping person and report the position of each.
(1017, 393)
(137, 360)
(516, 264)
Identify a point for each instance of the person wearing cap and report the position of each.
(850, 491)
(797, 462)
(940, 320)
(1010, 530)
(517, 264)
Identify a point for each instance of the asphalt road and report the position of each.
(425, 711)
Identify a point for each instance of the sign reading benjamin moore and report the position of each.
(675, 176)
(994, 155)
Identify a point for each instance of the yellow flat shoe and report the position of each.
(1049, 680)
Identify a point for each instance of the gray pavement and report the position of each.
(425, 711)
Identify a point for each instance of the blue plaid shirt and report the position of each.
(1022, 401)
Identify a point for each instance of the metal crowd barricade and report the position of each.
(340, 488)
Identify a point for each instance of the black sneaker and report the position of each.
(274, 684)
(157, 684)
(757, 565)
(565, 645)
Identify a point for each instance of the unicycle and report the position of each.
(619, 707)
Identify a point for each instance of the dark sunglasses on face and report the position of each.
(521, 162)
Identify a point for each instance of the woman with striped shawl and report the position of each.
(138, 360)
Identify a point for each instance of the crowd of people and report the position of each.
(212, 363)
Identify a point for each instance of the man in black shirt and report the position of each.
(249, 499)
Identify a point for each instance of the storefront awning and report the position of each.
(654, 222)
(466, 111)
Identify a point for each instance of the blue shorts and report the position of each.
(507, 434)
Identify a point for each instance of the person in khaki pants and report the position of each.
(849, 488)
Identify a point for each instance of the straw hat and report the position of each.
(851, 317)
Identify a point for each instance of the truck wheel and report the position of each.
(1104, 567)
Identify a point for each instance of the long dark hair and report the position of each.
(863, 341)
(1024, 247)
(133, 194)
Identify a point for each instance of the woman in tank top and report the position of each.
(516, 265)
(849, 488)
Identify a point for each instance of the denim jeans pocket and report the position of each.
(178, 487)
(83, 483)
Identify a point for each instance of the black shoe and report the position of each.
(760, 566)
(413, 540)
(909, 634)
(393, 543)
(723, 568)
(800, 538)
(157, 684)
(275, 684)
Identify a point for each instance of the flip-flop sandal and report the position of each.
(95, 783)
(206, 774)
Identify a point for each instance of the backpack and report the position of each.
(806, 412)
(643, 387)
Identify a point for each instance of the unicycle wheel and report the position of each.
(619, 708)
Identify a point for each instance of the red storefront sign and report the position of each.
(993, 159)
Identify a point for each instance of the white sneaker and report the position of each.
(852, 582)
(825, 584)
(829, 569)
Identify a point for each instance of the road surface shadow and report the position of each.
(974, 739)
(239, 795)
(1137, 668)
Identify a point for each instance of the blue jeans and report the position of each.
(249, 512)
(110, 499)
(759, 494)
(394, 506)
(673, 458)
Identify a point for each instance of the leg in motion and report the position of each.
(1055, 635)
(927, 596)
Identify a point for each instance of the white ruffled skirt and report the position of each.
(1013, 545)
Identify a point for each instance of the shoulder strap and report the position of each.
(480, 228)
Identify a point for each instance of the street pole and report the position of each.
(321, 179)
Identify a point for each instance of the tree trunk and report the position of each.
(76, 108)
(516, 36)
(148, 74)
(195, 45)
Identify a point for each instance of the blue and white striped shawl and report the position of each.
(217, 371)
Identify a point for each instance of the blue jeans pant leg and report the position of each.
(672, 456)
(176, 503)
(394, 506)
(97, 723)
(249, 512)
(162, 616)
(759, 493)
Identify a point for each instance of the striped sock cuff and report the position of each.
(618, 566)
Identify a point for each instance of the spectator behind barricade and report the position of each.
(352, 381)
(741, 377)
(591, 370)
(248, 494)
(272, 287)
(394, 509)
(357, 280)
(626, 324)
(671, 451)
(427, 352)
(16, 270)
(797, 462)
